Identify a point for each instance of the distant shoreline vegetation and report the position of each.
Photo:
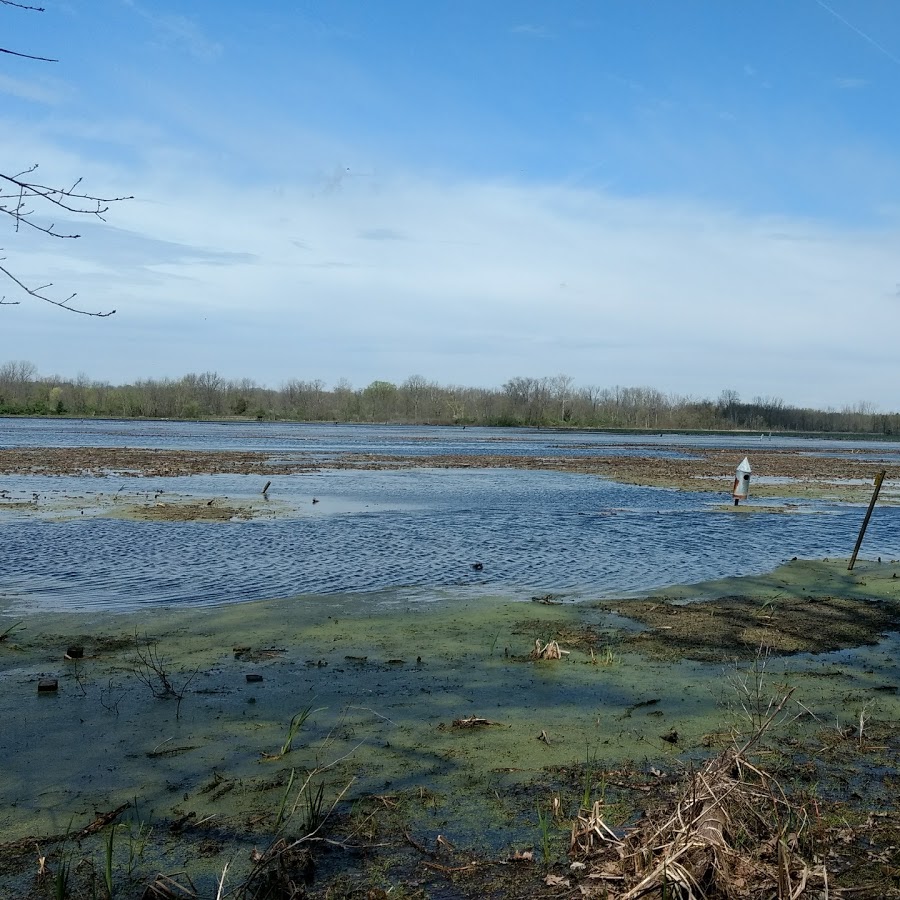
(547, 402)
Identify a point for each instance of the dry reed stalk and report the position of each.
(690, 852)
(550, 650)
(590, 832)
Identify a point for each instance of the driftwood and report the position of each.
(92, 828)
(102, 821)
(473, 722)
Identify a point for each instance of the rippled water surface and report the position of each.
(405, 440)
(420, 530)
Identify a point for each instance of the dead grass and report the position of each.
(735, 627)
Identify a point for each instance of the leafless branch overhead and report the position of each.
(38, 293)
(14, 52)
(16, 202)
(25, 201)
(22, 5)
(27, 55)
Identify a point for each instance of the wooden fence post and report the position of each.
(878, 479)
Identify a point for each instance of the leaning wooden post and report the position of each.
(878, 479)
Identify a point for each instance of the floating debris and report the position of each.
(473, 722)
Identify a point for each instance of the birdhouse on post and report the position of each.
(741, 489)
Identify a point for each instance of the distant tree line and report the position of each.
(547, 402)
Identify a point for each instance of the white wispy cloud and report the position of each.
(529, 30)
(851, 84)
(44, 90)
(402, 273)
(382, 234)
(459, 278)
(179, 31)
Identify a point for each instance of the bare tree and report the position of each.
(32, 204)
(16, 378)
(561, 386)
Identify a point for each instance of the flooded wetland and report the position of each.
(423, 658)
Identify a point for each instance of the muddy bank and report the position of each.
(802, 607)
(446, 761)
(841, 475)
(137, 463)
(145, 506)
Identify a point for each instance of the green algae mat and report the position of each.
(398, 746)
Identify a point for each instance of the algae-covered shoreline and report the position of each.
(428, 726)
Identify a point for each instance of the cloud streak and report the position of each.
(179, 31)
(402, 273)
(35, 91)
(533, 31)
(851, 84)
(354, 197)
(866, 37)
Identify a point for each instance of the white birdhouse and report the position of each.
(741, 488)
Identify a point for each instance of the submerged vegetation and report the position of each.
(522, 401)
(426, 750)
(725, 740)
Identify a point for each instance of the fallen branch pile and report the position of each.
(730, 833)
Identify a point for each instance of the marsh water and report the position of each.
(395, 639)
(420, 531)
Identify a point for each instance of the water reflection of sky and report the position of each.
(419, 531)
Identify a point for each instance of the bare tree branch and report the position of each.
(68, 199)
(38, 294)
(25, 200)
(27, 55)
(15, 202)
(22, 5)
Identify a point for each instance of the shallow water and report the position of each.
(384, 689)
(419, 530)
(407, 440)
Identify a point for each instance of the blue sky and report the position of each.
(690, 195)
